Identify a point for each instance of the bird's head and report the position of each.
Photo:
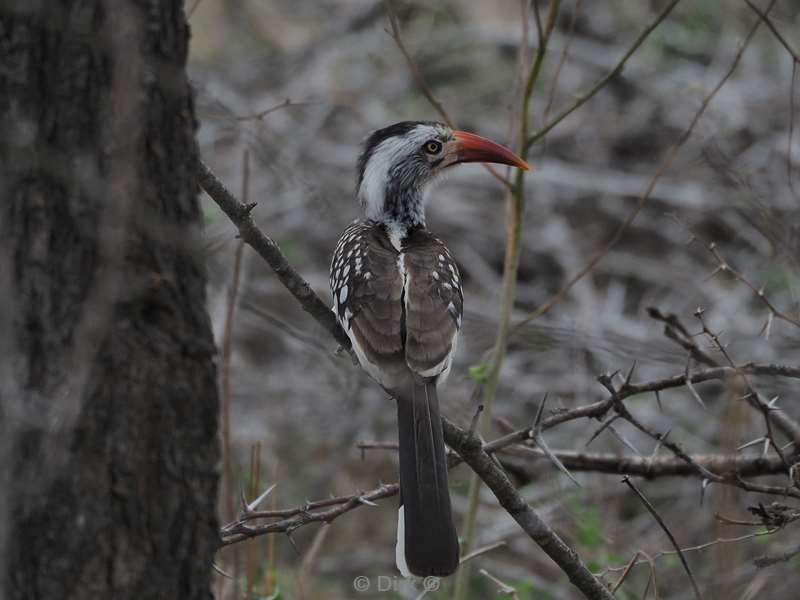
(399, 161)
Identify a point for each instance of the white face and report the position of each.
(391, 152)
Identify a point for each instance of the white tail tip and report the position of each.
(400, 547)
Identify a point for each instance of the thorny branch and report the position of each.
(465, 443)
(240, 216)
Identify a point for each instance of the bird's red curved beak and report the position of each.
(474, 148)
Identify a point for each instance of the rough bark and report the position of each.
(108, 401)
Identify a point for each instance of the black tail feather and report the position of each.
(430, 539)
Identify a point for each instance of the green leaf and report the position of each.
(479, 373)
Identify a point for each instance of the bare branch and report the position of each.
(601, 83)
(240, 216)
(423, 85)
(626, 480)
(768, 22)
(663, 167)
(469, 447)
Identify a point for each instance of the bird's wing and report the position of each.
(434, 304)
(367, 287)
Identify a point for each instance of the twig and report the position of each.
(626, 480)
(288, 520)
(601, 83)
(480, 551)
(784, 422)
(502, 587)
(423, 85)
(663, 167)
(564, 54)
(725, 267)
(625, 573)
(768, 22)
(261, 114)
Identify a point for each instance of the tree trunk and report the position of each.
(108, 398)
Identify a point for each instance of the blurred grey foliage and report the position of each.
(343, 77)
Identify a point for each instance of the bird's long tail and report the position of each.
(427, 543)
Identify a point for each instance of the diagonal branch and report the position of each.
(240, 216)
(469, 447)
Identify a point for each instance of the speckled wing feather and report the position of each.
(402, 310)
(434, 304)
(368, 300)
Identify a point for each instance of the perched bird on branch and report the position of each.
(397, 293)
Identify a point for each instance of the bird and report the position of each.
(397, 295)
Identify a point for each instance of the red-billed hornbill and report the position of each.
(397, 293)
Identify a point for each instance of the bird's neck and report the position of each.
(404, 206)
(401, 211)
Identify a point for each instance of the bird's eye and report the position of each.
(433, 147)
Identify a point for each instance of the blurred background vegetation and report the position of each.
(298, 84)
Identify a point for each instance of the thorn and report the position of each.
(622, 439)
(606, 423)
(248, 208)
(539, 441)
(242, 499)
(474, 423)
(658, 401)
(363, 500)
(537, 422)
(767, 329)
(695, 395)
(772, 404)
(704, 483)
(629, 375)
(219, 570)
(714, 273)
(751, 443)
(292, 542)
(254, 504)
(766, 447)
(659, 442)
